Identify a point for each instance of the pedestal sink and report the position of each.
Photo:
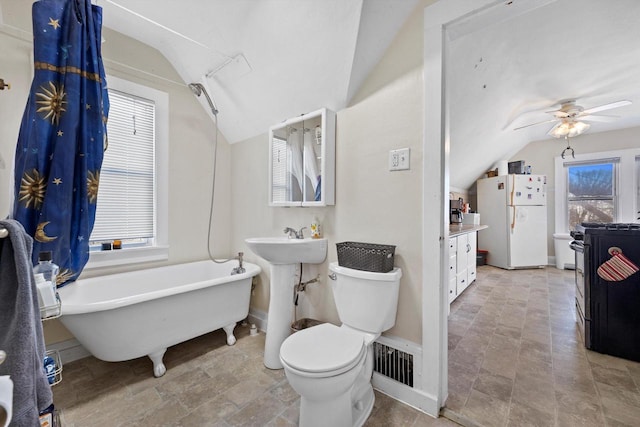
(283, 255)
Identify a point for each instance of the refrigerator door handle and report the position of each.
(513, 189)
(513, 221)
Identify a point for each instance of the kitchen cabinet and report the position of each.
(462, 258)
(453, 244)
(465, 261)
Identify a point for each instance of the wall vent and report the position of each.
(393, 363)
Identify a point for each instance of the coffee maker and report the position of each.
(456, 215)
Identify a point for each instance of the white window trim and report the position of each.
(626, 184)
(159, 251)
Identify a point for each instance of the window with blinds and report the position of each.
(126, 196)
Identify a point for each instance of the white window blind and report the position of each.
(280, 175)
(126, 199)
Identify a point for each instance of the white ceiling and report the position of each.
(506, 66)
(510, 64)
(301, 55)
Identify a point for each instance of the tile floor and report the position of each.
(207, 384)
(516, 357)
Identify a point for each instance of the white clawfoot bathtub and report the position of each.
(129, 315)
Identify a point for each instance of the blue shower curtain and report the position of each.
(63, 133)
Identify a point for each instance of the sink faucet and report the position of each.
(293, 234)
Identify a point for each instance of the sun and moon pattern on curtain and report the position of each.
(63, 133)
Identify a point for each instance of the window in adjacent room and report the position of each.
(591, 192)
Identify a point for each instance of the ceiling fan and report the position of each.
(571, 118)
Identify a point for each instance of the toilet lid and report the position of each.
(322, 348)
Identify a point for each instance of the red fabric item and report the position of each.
(618, 268)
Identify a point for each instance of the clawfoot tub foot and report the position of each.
(231, 340)
(158, 367)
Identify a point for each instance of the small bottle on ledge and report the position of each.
(315, 229)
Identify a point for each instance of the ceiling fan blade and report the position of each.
(609, 106)
(550, 133)
(533, 124)
(598, 118)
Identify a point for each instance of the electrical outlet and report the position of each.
(399, 159)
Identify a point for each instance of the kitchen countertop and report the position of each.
(458, 229)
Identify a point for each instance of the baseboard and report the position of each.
(259, 318)
(70, 350)
(410, 396)
(567, 266)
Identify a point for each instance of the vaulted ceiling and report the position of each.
(507, 66)
(512, 63)
(265, 61)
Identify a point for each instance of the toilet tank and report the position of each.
(366, 300)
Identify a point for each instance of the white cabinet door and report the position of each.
(462, 263)
(472, 239)
(453, 245)
(465, 261)
(461, 253)
(461, 281)
(452, 289)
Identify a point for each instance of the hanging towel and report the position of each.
(310, 164)
(20, 327)
(618, 268)
(295, 153)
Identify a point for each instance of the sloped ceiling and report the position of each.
(295, 55)
(505, 67)
(511, 63)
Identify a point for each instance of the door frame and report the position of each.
(435, 184)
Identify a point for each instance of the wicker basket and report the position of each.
(366, 256)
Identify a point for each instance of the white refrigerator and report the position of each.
(515, 209)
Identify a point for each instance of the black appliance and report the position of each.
(455, 207)
(608, 311)
(516, 167)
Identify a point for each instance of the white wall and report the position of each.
(541, 156)
(190, 140)
(372, 204)
(14, 70)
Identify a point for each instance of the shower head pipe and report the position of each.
(198, 89)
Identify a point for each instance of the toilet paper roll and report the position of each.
(503, 167)
(6, 400)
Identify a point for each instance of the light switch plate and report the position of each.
(399, 159)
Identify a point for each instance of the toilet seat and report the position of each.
(323, 350)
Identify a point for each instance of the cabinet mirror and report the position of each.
(302, 160)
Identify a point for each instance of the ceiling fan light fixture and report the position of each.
(569, 128)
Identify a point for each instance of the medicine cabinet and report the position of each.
(302, 160)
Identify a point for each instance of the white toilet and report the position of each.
(331, 366)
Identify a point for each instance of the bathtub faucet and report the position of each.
(293, 233)
(239, 269)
